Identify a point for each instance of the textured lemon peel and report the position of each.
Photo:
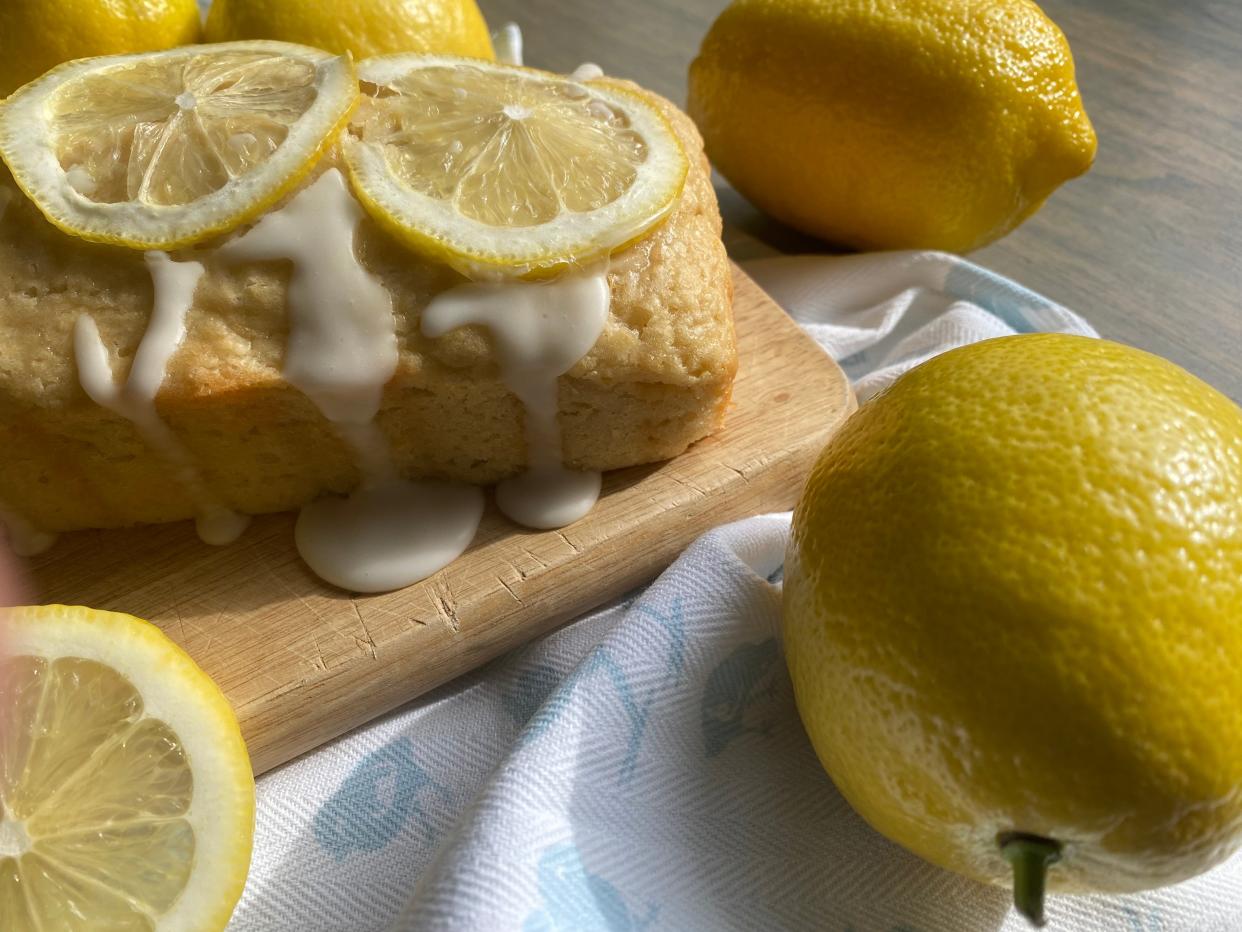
(1010, 447)
(376, 27)
(891, 124)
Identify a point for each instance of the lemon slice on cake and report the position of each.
(162, 149)
(497, 169)
(126, 792)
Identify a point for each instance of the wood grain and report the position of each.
(1148, 245)
(303, 662)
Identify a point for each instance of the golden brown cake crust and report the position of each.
(657, 380)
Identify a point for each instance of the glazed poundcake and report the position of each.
(657, 379)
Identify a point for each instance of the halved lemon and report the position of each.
(126, 791)
(159, 150)
(499, 169)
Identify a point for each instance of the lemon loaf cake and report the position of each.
(93, 321)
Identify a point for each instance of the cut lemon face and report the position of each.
(496, 169)
(126, 792)
(163, 149)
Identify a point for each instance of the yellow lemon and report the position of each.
(1013, 614)
(36, 35)
(163, 149)
(361, 27)
(501, 170)
(126, 796)
(884, 124)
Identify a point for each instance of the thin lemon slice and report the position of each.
(126, 796)
(162, 149)
(495, 168)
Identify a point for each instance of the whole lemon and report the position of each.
(1013, 608)
(363, 27)
(36, 35)
(887, 124)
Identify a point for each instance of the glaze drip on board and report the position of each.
(341, 352)
(390, 535)
(174, 284)
(540, 330)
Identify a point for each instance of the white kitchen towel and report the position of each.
(644, 767)
(880, 314)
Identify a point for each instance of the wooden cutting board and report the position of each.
(303, 662)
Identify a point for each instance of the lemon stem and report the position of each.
(1030, 856)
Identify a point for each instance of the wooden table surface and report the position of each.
(1148, 245)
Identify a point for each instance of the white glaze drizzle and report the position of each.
(587, 71)
(341, 352)
(174, 284)
(507, 43)
(342, 348)
(24, 538)
(387, 536)
(541, 330)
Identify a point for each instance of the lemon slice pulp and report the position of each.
(500, 169)
(126, 796)
(162, 149)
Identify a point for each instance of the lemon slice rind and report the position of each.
(177, 692)
(27, 150)
(429, 225)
